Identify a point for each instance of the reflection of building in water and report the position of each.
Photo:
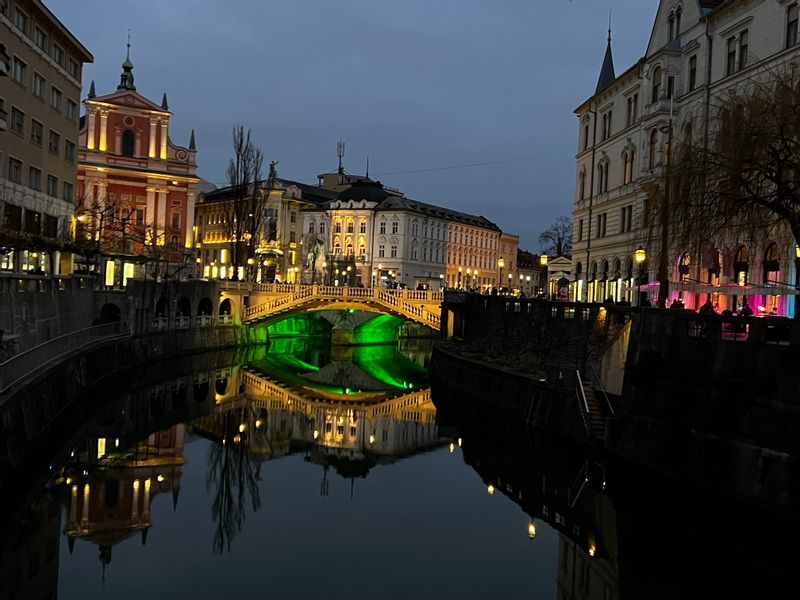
(29, 557)
(276, 421)
(582, 575)
(112, 502)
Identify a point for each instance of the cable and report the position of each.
(464, 166)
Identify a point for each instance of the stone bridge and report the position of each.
(267, 301)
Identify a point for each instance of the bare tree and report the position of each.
(741, 182)
(244, 211)
(556, 240)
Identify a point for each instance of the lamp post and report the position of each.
(374, 275)
(500, 264)
(474, 276)
(639, 256)
(510, 282)
(459, 277)
(441, 281)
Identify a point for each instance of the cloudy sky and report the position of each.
(421, 87)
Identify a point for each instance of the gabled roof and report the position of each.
(129, 98)
(430, 210)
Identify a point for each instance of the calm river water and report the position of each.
(311, 470)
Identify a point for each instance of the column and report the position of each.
(189, 224)
(138, 148)
(103, 130)
(85, 512)
(135, 502)
(162, 215)
(150, 214)
(90, 142)
(73, 506)
(163, 140)
(118, 140)
(152, 152)
(146, 499)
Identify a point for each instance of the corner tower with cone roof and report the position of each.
(132, 176)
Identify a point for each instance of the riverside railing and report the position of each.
(23, 364)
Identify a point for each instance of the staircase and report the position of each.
(597, 414)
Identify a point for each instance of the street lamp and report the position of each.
(459, 277)
(441, 281)
(639, 256)
(510, 281)
(500, 264)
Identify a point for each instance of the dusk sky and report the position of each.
(417, 85)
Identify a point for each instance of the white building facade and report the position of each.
(700, 52)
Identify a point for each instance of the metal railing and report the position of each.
(582, 403)
(596, 378)
(23, 364)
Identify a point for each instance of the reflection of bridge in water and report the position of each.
(268, 301)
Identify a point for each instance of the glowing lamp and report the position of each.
(372, 438)
(250, 261)
(490, 489)
(459, 269)
(543, 260)
(316, 433)
(500, 262)
(258, 423)
(242, 427)
(459, 442)
(531, 530)
(237, 438)
(452, 449)
(324, 264)
(198, 260)
(160, 478)
(510, 277)
(441, 275)
(592, 549)
(796, 251)
(640, 255)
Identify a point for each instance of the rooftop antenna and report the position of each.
(340, 154)
(367, 173)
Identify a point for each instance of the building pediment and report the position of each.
(128, 99)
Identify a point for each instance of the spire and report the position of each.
(607, 75)
(92, 93)
(164, 103)
(126, 79)
(192, 145)
(176, 492)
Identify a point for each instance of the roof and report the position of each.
(86, 56)
(311, 193)
(430, 210)
(607, 76)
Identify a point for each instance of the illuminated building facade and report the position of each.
(136, 188)
(41, 65)
(699, 52)
(279, 250)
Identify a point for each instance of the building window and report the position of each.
(21, 21)
(586, 134)
(607, 125)
(395, 226)
(17, 121)
(601, 168)
(40, 39)
(731, 64)
(176, 220)
(322, 227)
(671, 23)
(656, 84)
(337, 227)
(678, 15)
(394, 252)
(692, 72)
(52, 186)
(69, 151)
(362, 228)
(791, 25)
(139, 216)
(69, 192)
(311, 227)
(629, 119)
(653, 148)
(293, 216)
(383, 227)
(601, 225)
(58, 55)
(627, 175)
(38, 85)
(580, 230)
(128, 140)
(19, 71)
(56, 98)
(381, 251)
(55, 142)
(744, 39)
(33, 222)
(350, 227)
(12, 217)
(72, 110)
(35, 179)
(626, 219)
(73, 69)
(50, 226)
(670, 86)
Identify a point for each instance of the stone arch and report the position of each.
(205, 307)
(183, 308)
(226, 307)
(221, 386)
(110, 313)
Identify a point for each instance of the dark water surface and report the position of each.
(312, 470)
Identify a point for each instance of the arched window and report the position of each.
(741, 265)
(349, 249)
(337, 248)
(128, 140)
(671, 22)
(678, 13)
(653, 148)
(627, 175)
(582, 186)
(362, 250)
(772, 263)
(656, 79)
